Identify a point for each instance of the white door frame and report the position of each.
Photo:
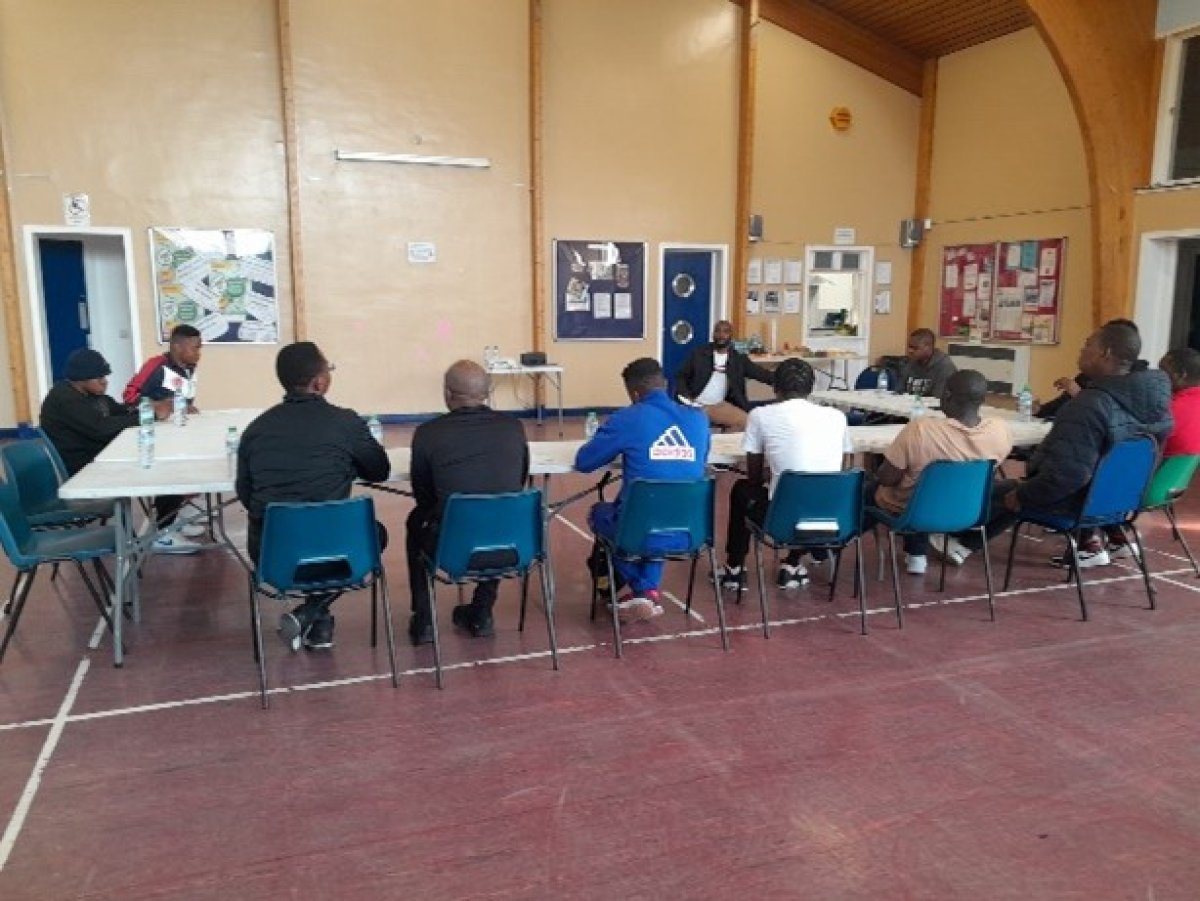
(719, 304)
(1157, 265)
(35, 296)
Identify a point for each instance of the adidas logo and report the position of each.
(672, 445)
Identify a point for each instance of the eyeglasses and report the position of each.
(330, 367)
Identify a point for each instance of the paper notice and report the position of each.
(257, 333)
(950, 279)
(1013, 256)
(212, 326)
(1008, 309)
(970, 276)
(773, 272)
(883, 301)
(1049, 263)
(753, 304)
(968, 304)
(261, 308)
(622, 306)
(578, 298)
(793, 272)
(192, 271)
(1027, 279)
(754, 272)
(984, 288)
(602, 305)
(258, 270)
(791, 301)
(883, 272)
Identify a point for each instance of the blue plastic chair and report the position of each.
(1113, 498)
(664, 520)
(31, 465)
(814, 511)
(951, 496)
(483, 537)
(338, 538)
(27, 550)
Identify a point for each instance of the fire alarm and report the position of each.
(841, 118)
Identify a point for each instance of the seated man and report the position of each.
(714, 377)
(1182, 367)
(79, 418)
(790, 434)
(1069, 387)
(960, 435)
(470, 450)
(304, 450)
(1121, 401)
(926, 369)
(655, 438)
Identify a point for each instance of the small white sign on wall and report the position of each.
(422, 252)
(845, 235)
(77, 209)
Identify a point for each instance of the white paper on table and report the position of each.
(970, 276)
(773, 272)
(622, 306)
(602, 305)
(793, 272)
(883, 272)
(984, 288)
(1014, 256)
(754, 272)
(968, 304)
(950, 279)
(212, 326)
(1049, 263)
(791, 300)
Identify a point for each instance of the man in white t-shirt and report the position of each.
(790, 434)
(713, 378)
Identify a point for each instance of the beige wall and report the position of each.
(1176, 210)
(1008, 164)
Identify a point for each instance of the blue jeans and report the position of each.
(640, 577)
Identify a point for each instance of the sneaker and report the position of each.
(420, 631)
(790, 576)
(174, 544)
(193, 530)
(955, 552)
(915, 564)
(1124, 550)
(633, 608)
(294, 625)
(1087, 559)
(734, 578)
(319, 636)
(479, 624)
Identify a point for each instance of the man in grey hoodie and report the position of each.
(926, 368)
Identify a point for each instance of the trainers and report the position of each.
(193, 530)
(420, 631)
(1124, 550)
(790, 576)
(634, 608)
(734, 578)
(479, 624)
(915, 564)
(294, 625)
(1087, 559)
(319, 636)
(174, 544)
(955, 552)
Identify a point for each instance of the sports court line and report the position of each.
(25, 802)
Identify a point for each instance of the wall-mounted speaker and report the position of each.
(911, 232)
(756, 227)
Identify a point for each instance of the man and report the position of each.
(1182, 367)
(962, 434)
(1119, 402)
(1069, 387)
(655, 438)
(926, 369)
(713, 378)
(470, 450)
(304, 450)
(79, 417)
(790, 434)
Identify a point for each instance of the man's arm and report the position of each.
(940, 375)
(887, 474)
(421, 477)
(88, 420)
(604, 447)
(242, 484)
(680, 387)
(371, 462)
(760, 374)
(1067, 456)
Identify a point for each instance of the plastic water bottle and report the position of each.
(918, 407)
(231, 441)
(179, 409)
(1025, 405)
(375, 427)
(145, 413)
(591, 425)
(881, 384)
(146, 446)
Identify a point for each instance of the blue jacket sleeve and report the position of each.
(604, 447)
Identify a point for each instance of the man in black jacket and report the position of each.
(714, 377)
(470, 450)
(305, 450)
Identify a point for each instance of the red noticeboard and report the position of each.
(968, 278)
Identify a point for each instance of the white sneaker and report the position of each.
(955, 552)
(193, 530)
(1087, 559)
(174, 544)
(915, 564)
(791, 576)
(1123, 551)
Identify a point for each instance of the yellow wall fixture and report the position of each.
(841, 118)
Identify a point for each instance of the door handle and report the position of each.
(83, 317)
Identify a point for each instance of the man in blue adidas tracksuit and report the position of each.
(656, 438)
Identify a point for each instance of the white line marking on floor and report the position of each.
(574, 528)
(682, 606)
(97, 634)
(25, 802)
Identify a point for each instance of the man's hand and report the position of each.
(192, 409)
(1012, 503)
(1069, 386)
(162, 409)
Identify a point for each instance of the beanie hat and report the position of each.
(85, 364)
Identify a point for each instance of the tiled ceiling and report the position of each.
(933, 28)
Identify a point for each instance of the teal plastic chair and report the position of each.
(318, 548)
(31, 465)
(483, 537)
(951, 496)
(1114, 497)
(660, 521)
(28, 550)
(814, 511)
(1170, 482)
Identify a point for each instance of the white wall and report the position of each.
(1177, 15)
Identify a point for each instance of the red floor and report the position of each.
(1036, 757)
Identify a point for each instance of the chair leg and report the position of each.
(1012, 549)
(389, 630)
(880, 552)
(1074, 547)
(612, 597)
(860, 574)
(1178, 533)
(942, 576)
(548, 603)
(716, 584)
(21, 593)
(837, 566)
(1142, 562)
(762, 588)
(96, 593)
(12, 593)
(891, 545)
(374, 613)
(433, 622)
(259, 654)
(987, 574)
(687, 610)
(54, 571)
(595, 583)
(524, 600)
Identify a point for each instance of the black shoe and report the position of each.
(480, 625)
(295, 625)
(420, 631)
(319, 636)
(733, 578)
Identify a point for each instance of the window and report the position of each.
(1177, 151)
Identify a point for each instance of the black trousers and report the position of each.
(747, 500)
(421, 538)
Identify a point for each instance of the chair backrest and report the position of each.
(59, 465)
(867, 379)
(660, 518)
(15, 533)
(950, 496)
(816, 508)
(30, 467)
(490, 535)
(1119, 481)
(1171, 480)
(338, 537)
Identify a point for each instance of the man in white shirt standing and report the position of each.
(713, 378)
(790, 434)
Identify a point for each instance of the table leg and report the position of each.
(125, 571)
(558, 377)
(219, 523)
(538, 387)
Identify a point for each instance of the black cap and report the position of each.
(85, 364)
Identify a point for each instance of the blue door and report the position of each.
(65, 292)
(687, 291)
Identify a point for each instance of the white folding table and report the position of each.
(536, 375)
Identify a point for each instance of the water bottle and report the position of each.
(918, 407)
(375, 427)
(179, 408)
(231, 441)
(1025, 405)
(591, 425)
(145, 413)
(146, 446)
(881, 384)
